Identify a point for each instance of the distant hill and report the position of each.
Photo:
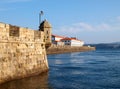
(114, 45)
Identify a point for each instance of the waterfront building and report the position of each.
(72, 42)
(61, 40)
(57, 40)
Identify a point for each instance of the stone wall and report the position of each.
(55, 49)
(22, 52)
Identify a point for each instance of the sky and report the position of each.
(93, 21)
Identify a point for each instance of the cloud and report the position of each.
(89, 32)
(83, 25)
(77, 28)
(103, 26)
(118, 18)
(73, 30)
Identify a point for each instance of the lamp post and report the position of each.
(40, 15)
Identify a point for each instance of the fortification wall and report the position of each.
(22, 52)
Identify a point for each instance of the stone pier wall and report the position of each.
(22, 52)
(54, 49)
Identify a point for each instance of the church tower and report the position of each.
(46, 28)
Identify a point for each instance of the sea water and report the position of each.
(99, 69)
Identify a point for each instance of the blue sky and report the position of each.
(94, 21)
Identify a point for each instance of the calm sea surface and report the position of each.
(98, 69)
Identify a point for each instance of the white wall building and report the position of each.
(72, 42)
(60, 40)
(57, 40)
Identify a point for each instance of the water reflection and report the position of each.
(36, 82)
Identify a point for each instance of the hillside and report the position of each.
(114, 45)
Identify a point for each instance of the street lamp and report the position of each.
(40, 15)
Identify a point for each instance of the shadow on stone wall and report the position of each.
(36, 82)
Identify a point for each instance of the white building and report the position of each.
(57, 39)
(72, 42)
(60, 40)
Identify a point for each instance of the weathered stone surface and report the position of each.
(22, 52)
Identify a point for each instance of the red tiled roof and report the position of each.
(70, 39)
(65, 38)
(57, 41)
